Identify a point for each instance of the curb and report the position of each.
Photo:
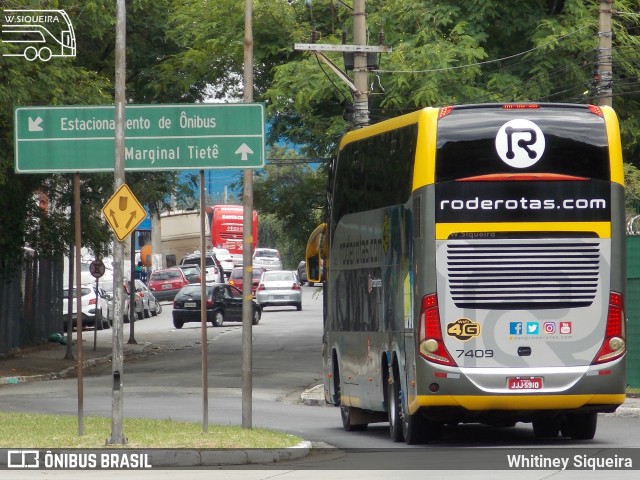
(314, 396)
(69, 371)
(212, 458)
(53, 375)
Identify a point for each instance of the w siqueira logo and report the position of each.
(38, 34)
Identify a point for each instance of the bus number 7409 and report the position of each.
(475, 353)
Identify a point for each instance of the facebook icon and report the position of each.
(515, 328)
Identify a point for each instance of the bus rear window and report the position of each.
(491, 142)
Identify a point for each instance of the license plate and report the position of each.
(189, 304)
(166, 286)
(276, 297)
(528, 383)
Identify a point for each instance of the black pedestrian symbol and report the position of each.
(522, 143)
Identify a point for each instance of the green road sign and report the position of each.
(157, 137)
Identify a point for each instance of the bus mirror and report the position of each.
(314, 253)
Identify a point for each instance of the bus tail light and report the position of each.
(520, 106)
(444, 111)
(596, 110)
(430, 339)
(613, 345)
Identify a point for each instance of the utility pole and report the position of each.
(605, 54)
(360, 71)
(247, 240)
(117, 400)
(360, 50)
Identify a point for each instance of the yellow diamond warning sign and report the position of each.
(123, 212)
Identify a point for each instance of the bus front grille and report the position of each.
(523, 275)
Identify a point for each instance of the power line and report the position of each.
(487, 62)
(296, 161)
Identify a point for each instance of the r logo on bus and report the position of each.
(520, 143)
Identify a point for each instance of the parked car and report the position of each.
(278, 288)
(94, 307)
(268, 258)
(150, 305)
(214, 269)
(139, 309)
(302, 272)
(224, 304)
(225, 259)
(191, 272)
(166, 282)
(237, 280)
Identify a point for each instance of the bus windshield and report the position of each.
(467, 137)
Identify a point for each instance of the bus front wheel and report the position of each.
(347, 413)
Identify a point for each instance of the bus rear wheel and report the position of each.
(546, 427)
(394, 406)
(580, 426)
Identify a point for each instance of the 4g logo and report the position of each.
(463, 329)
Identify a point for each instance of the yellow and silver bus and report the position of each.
(474, 270)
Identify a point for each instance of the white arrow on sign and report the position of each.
(244, 150)
(34, 125)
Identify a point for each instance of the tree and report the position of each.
(289, 199)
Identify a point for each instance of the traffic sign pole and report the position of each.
(96, 269)
(78, 242)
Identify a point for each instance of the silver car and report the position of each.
(279, 288)
(268, 258)
(150, 305)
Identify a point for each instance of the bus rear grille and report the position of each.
(523, 275)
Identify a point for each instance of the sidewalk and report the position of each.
(48, 362)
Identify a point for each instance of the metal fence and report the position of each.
(30, 302)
